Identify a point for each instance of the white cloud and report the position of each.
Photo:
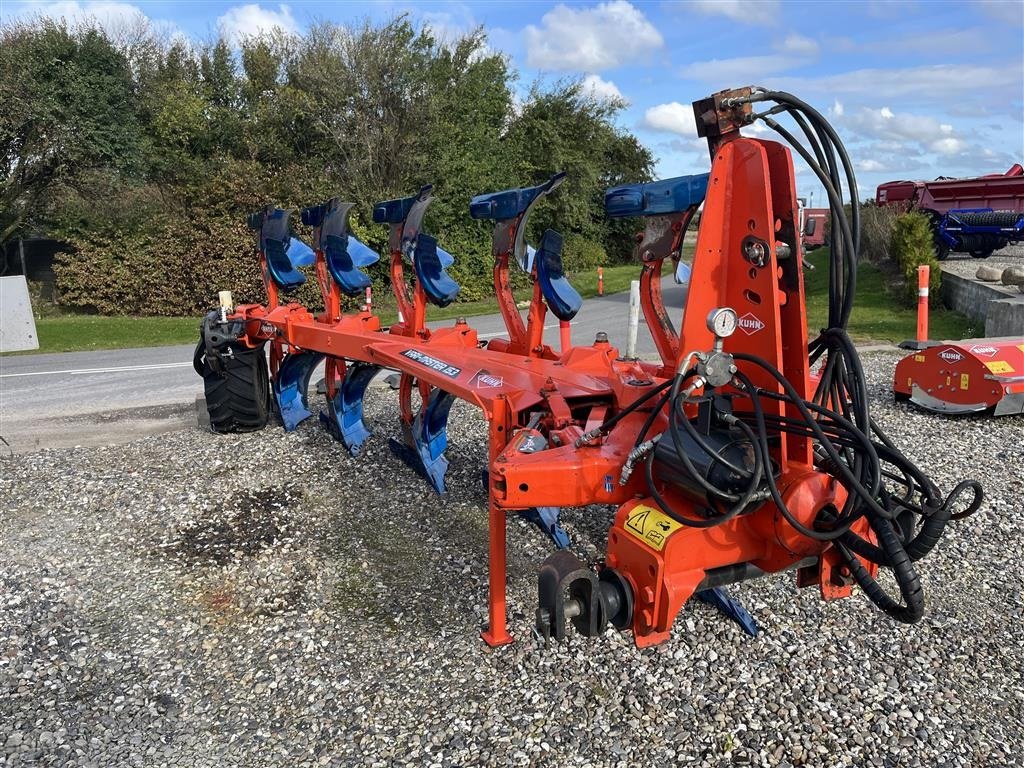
(671, 118)
(837, 108)
(798, 45)
(253, 20)
(590, 39)
(744, 11)
(1003, 10)
(905, 130)
(925, 84)
(602, 90)
(741, 70)
(112, 16)
(449, 26)
(948, 146)
(870, 165)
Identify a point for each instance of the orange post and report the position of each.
(600, 281)
(923, 278)
(565, 335)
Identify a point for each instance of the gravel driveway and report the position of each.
(198, 600)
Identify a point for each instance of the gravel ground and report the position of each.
(264, 599)
(963, 265)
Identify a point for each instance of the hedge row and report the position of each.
(177, 266)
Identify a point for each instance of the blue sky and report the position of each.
(915, 89)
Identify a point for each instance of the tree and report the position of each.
(68, 109)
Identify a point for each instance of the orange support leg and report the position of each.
(565, 335)
(497, 633)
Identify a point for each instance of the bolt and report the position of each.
(601, 338)
(755, 252)
(460, 321)
(648, 595)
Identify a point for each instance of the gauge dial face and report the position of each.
(722, 322)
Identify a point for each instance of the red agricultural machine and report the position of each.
(977, 215)
(743, 450)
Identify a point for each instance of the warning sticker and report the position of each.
(999, 366)
(651, 526)
(965, 381)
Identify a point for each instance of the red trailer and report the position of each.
(999, 191)
(999, 194)
(815, 221)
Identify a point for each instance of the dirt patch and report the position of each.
(243, 526)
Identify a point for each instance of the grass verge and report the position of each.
(877, 314)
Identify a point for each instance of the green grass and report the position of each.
(76, 333)
(877, 316)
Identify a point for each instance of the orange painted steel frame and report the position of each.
(750, 207)
(523, 339)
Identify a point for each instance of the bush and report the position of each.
(580, 254)
(876, 232)
(912, 246)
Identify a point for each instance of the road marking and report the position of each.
(88, 371)
(496, 334)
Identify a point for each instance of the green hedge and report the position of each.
(912, 246)
(176, 265)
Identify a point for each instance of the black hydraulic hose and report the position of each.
(836, 202)
(650, 420)
(762, 447)
(824, 442)
(903, 570)
(607, 426)
(782, 97)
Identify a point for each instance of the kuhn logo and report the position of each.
(750, 324)
(985, 351)
(951, 355)
(485, 380)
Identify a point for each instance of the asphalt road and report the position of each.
(94, 398)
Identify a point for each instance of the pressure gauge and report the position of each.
(722, 322)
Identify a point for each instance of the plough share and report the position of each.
(744, 450)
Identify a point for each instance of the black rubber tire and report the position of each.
(981, 254)
(238, 399)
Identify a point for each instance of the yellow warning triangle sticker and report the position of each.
(651, 526)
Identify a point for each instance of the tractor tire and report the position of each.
(238, 397)
(983, 254)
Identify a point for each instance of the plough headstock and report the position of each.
(727, 459)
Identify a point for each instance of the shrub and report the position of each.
(876, 232)
(912, 245)
(580, 254)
